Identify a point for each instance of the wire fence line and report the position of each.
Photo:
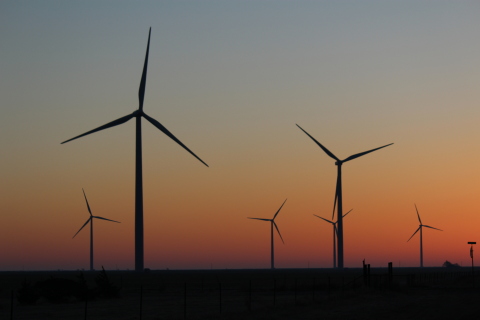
(202, 298)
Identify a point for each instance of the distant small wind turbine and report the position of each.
(334, 236)
(338, 190)
(272, 224)
(91, 229)
(420, 227)
(138, 115)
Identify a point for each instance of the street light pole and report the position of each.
(471, 243)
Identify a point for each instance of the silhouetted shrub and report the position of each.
(27, 294)
(58, 290)
(54, 290)
(105, 288)
(83, 291)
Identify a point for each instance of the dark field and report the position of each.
(411, 293)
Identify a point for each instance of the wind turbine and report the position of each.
(138, 114)
(334, 237)
(338, 191)
(272, 224)
(91, 228)
(420, 227)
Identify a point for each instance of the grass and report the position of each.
(428, 293)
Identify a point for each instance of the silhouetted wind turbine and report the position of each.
(420, 227)
(334, 236)
(338, 191)
(272, 224)
(91, 228)
(138, 114)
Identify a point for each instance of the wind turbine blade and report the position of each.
(279, 209)
(336, 196)
(105, 126)
(168, 133)
(347, 213)
(143, 81)
(331, 155)
(420, 220)
(260, 219)
(88, 206)
(105, 219)
(413, 234)
(324, 219)
(82, 227)
(278, 231)
(364, 153)
(432, 227)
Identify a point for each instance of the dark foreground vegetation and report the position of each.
(405, 293)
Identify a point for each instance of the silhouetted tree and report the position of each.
(448, 264)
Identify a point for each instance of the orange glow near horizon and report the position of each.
(231, 82)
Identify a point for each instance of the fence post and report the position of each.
(86, 306)
(328, 286)
(313, 290)
(296, 291)
(185, 301)
(368, 274)
(141, 301)
(390, 274)
(274, 291)
(220, 296)
(250, 295)
(11, 306)
(364, 273)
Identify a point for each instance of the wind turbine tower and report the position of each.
(338, 190)
(273, 224)
(138, 115)
(335, 233)
(90, 220)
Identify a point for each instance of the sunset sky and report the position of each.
(231, 79)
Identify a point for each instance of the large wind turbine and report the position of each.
(420, 227)
(334, 236)
(91, 228)
(138, 114)
(338, 191)
(272, 224)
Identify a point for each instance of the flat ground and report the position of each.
(412, 293)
